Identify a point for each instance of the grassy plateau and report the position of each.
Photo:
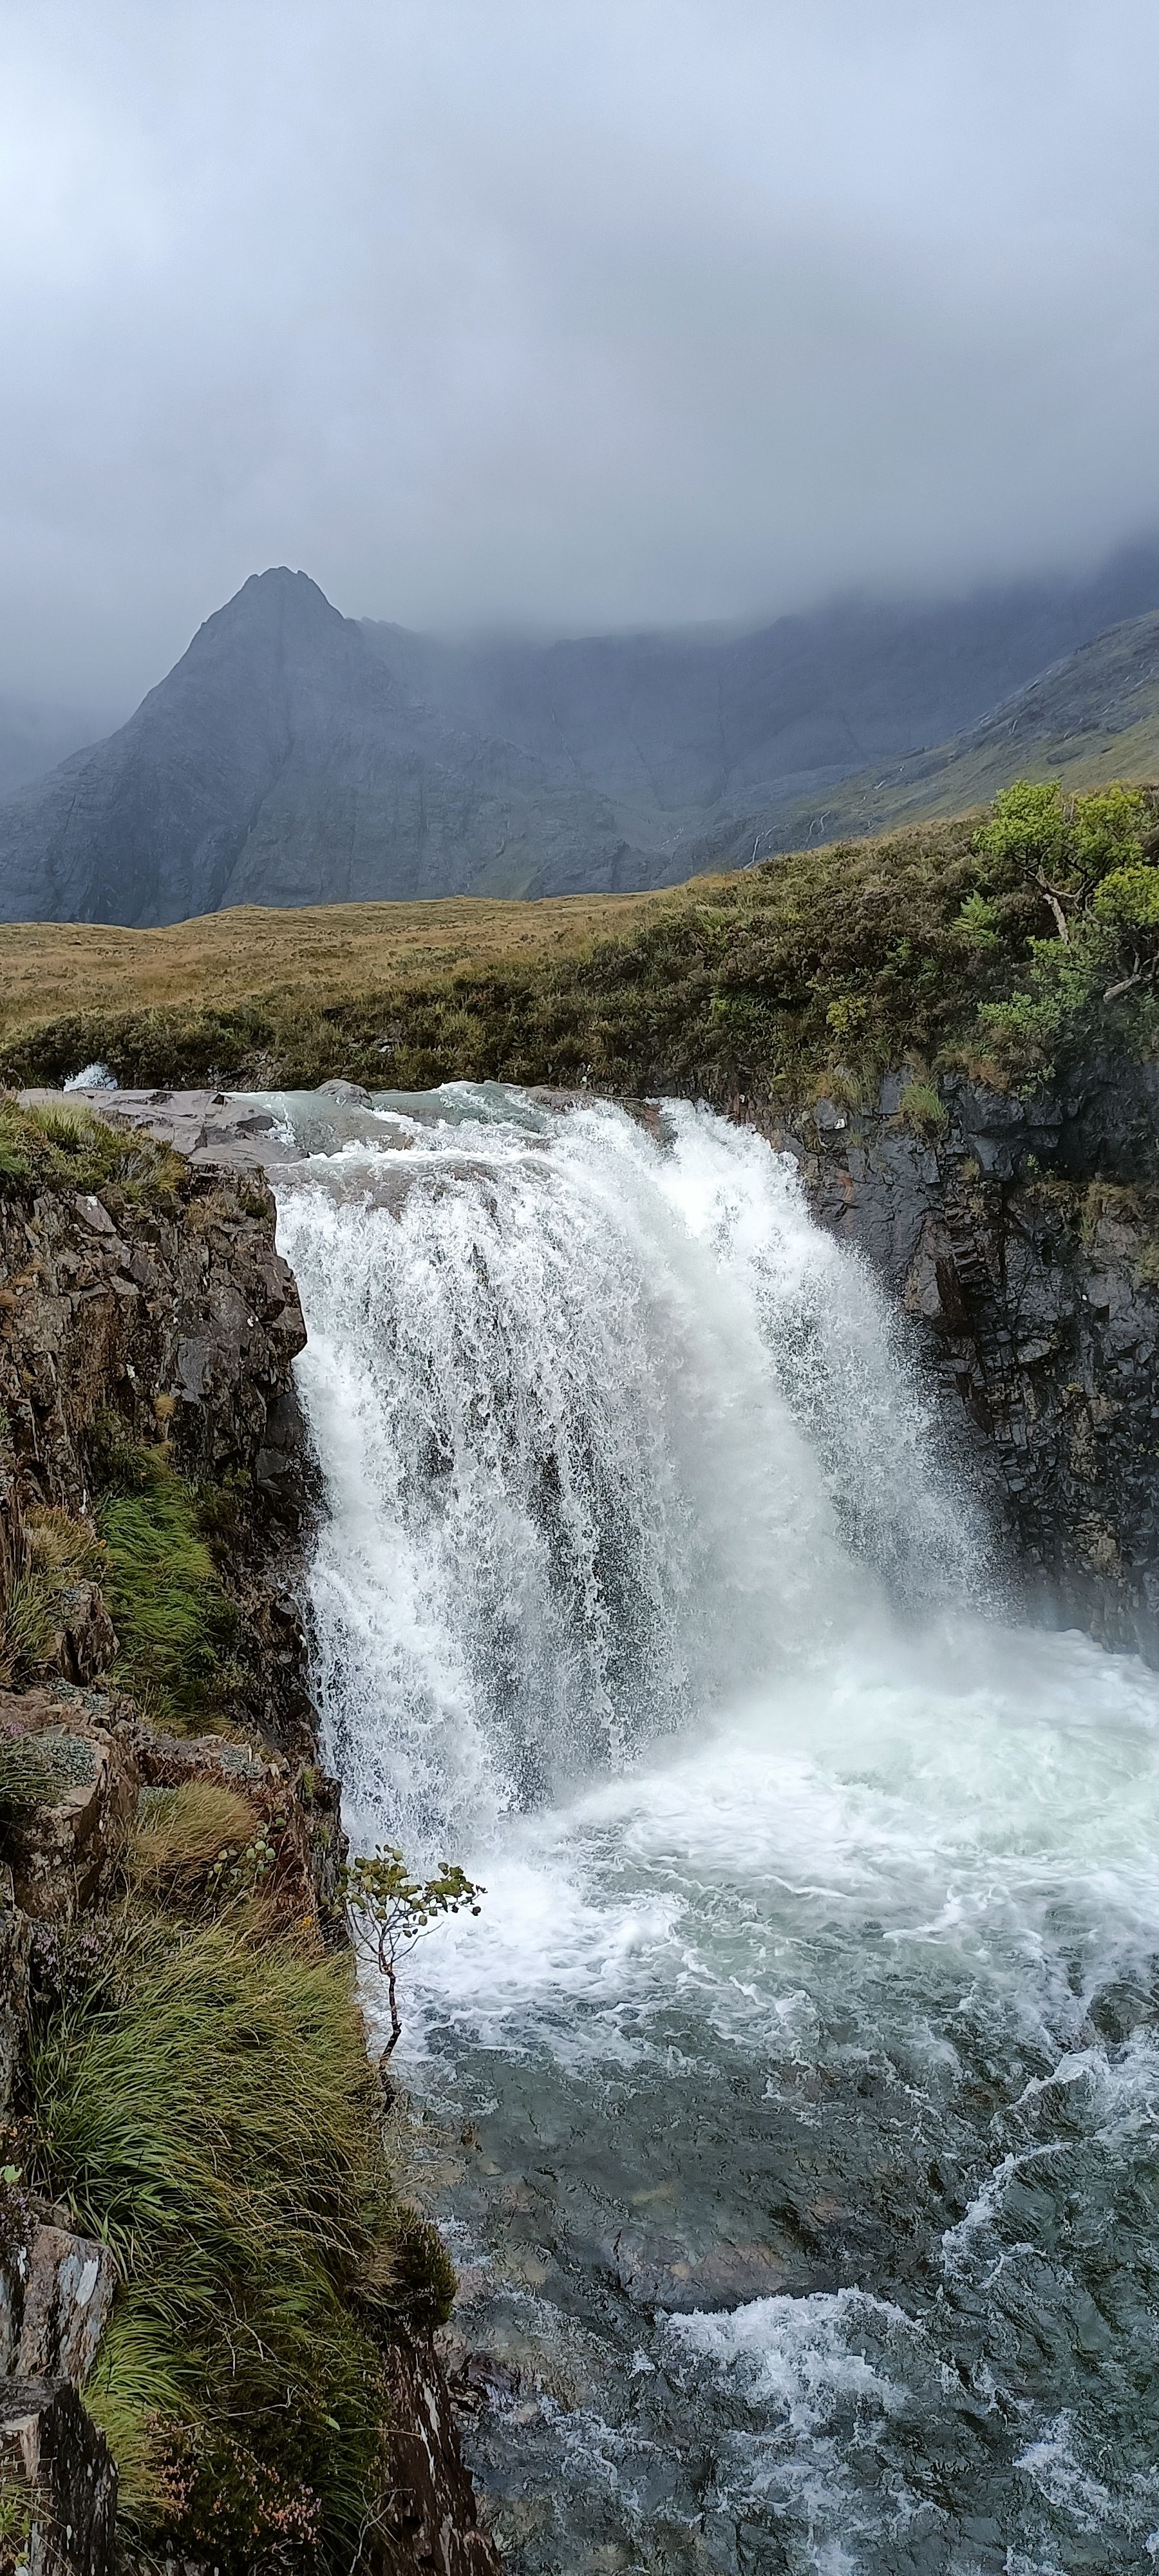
(995, 939)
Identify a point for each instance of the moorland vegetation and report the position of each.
(995, 943)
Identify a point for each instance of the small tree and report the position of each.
(389, 1911)
(1129, 898)
(1064, 845)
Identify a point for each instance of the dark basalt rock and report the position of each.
(54, 2447)
(180, 1321)
(430, 2521)
(1022, 1242)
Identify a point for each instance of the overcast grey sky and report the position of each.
(584, 312)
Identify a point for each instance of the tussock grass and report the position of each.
(921, 1108)
(174, 1626)
(334, 949)
(180, 1833)
(68, 1146)
(59, 1545)
(210, 2114)
(61, 1553)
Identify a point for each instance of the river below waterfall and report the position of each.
(791, 2105)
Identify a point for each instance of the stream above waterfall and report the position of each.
(790, 2106)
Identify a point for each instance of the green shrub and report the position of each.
(1026, 825)
(977, 923)
(1069, 840)
(211, 2116)
(1129, 897)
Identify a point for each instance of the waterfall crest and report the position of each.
(610, 1429)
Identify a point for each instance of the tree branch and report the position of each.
(1140, 976)
(1055, 906)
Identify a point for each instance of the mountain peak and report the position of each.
(276, 593)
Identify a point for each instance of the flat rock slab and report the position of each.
(207, 1126)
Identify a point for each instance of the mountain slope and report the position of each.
(280, 762)
(678, 729)
(1092, 718)
(294, 756)
(36, 738)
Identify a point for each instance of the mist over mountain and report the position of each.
(35, 737)
(1090, 718)
(296, 756)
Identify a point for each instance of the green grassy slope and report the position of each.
(1088, 720)
(828, 963)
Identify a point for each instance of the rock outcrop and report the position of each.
(169, 1316)
(1021, 1239)
(73, 1841)
(52, 2456)
(174, 1318)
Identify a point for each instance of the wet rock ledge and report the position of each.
(147, 1333)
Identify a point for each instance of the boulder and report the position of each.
(56, 2290)
(54, 2449)
(68, 1849)
(350, 1094)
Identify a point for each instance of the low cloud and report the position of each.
(614, 312)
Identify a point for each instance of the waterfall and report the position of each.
(792, 2102)
(610, 1429)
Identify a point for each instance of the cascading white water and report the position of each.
(594, 1412)
(808, 2020)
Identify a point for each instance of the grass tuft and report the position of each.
(61, 1553)
(174, 1625)
(211, 2117)
(182, 1832)
(68, 1145)
(922, 1109)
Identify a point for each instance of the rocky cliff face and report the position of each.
(1021, 1239)
(171, 1317)
(163, 1318)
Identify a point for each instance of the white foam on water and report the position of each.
(643, 1591)
(799, 2358)
(92, 1077)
